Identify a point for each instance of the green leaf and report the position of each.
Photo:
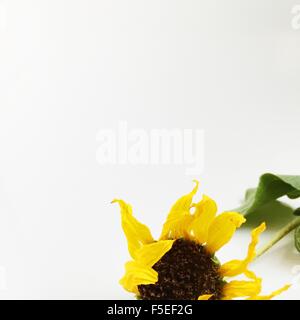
(270, 188)
(297, 212)
(297, 239)
(275, 214)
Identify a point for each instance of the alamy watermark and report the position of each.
(295, 22)
(136, 146)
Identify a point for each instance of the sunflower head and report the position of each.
(181, 264)
(184, 272)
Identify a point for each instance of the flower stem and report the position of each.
(281, 234)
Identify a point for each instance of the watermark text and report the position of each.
(138, 146)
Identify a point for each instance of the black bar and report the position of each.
(137, 309)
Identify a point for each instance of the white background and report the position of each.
(71, 68)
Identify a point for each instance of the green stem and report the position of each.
(281, 234)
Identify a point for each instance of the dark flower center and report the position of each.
(184, 273)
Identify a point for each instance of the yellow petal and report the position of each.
(251, 275)
(179, 217)
(136, 274)
(177, 228)
(205, 212)
(137, 234)
(149, 254)
(205, 297)
(236, 289)
(222, 229)
(236, 267)
(272, 295)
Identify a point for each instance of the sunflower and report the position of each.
(182, 265)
